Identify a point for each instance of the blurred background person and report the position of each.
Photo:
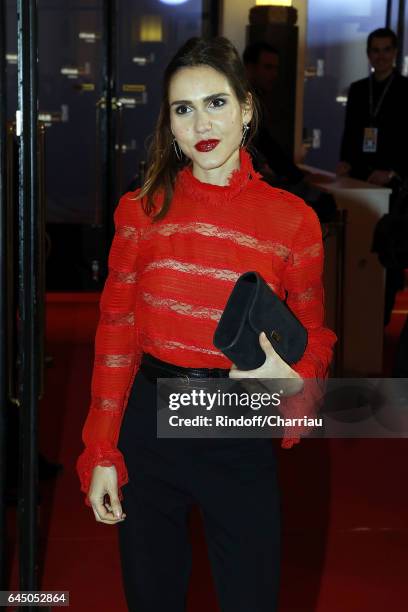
(261, 62)
(277, 167)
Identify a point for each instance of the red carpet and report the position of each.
(345, 503)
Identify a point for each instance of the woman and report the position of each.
(202, 218)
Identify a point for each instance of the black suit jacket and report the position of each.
(392, 124)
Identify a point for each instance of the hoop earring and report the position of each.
(177, 150)
(245, 129)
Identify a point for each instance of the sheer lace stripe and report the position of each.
(309, 294)
(128, 232)
(185, 267)
(213, 231)
(117, 318)
(113, 361)
(123, 277)
(181, 307)
(176, 346)
(107, 404)
(313, 251)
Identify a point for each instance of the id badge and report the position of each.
(370, 140)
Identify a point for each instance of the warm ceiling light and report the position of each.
(173, 2)
(273, 2)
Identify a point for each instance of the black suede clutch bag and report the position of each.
(252, 308)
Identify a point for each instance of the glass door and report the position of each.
(100, 69)
(70, 84)
(149, 33)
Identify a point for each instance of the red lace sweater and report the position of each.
(169, 281)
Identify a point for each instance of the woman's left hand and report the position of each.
(273, 367)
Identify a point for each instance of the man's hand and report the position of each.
(105, 482)
(273, 367)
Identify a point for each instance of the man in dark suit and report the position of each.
(375, 139)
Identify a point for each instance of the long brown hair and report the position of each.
(218, 53)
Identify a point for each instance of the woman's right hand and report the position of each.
(105, 482)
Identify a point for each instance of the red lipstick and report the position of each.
(206, 145)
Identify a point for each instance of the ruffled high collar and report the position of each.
(216, 194)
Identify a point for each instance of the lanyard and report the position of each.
(374, 111)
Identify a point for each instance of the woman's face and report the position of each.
(206, 120)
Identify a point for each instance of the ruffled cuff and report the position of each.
(301, 410)
(103, 455)
(288, 441)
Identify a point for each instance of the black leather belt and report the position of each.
(154, 368)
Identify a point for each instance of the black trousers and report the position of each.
(233, 481)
